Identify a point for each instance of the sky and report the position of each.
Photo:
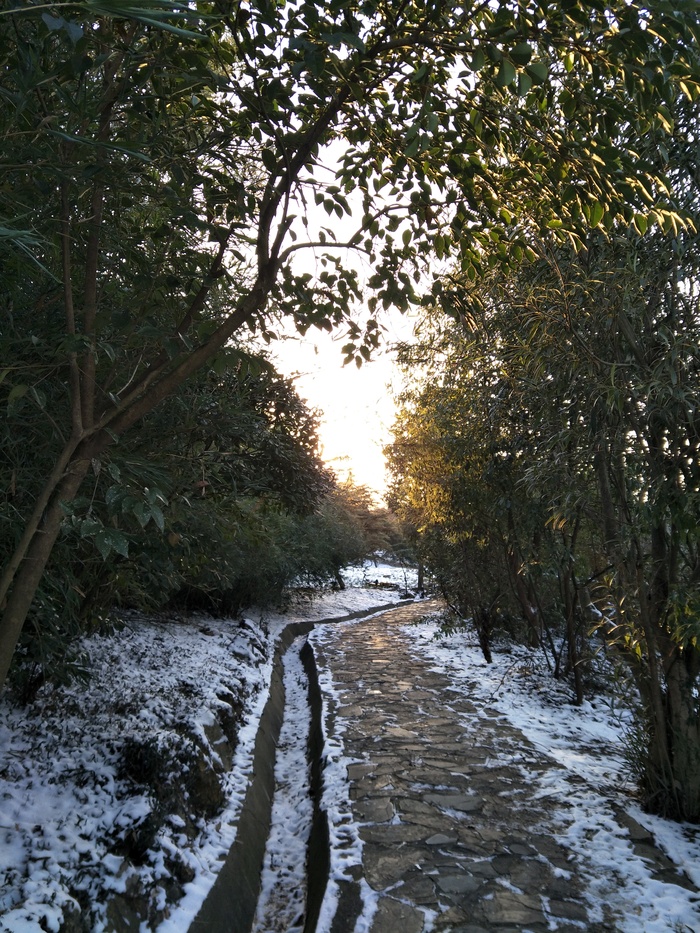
(356, 405)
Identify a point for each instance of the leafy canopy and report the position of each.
(163, 165)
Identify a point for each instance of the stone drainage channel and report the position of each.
(451, 837)
(236, 903)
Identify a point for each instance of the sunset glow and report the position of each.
(356, 405)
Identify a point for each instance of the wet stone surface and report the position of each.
(454, 838)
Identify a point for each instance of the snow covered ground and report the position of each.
(589, 742)
(88, 771)
(81, 768)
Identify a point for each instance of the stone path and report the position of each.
(453, 834)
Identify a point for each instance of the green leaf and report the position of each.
(113, 495)
(142, 513)
(665, 119)
(268, 159)
(521, 54)
(16, 393)
(506, 73)
(412, 148)
(690, 91)
(108, 540)
(158, 517)
(97, 144)
(39, 397)
(596, 212)
(419, 74)
(339, 39)
(538, 71)
(157, 15)
(89, 527)
(641, 223)
(53, 23)
(524, 83)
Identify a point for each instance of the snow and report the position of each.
(344, 832)
(283, 888)
(586, 742)
(69, 805)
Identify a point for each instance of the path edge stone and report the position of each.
(230, 905)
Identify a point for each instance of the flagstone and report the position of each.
(447, 817)
(464, 803)
(459, 884)
(386, 866)
(393, 916)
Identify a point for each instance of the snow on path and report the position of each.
(281, 905)
(64, 804)
(588, 743)
(345, 841)
(66, 807)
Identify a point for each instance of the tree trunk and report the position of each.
(684, 732)
(530, 612)
(659, 777)
(31, 569)
(23, 574)
(570, 604)
(482, 623)
(527, 604)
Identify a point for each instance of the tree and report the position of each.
(460, 451)
(158, 163)
(575, 384)
(201, 507)
(616, 332)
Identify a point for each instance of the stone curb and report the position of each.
(230, 905)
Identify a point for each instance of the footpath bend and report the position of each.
(452, 837)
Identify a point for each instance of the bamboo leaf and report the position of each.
(97, 144)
